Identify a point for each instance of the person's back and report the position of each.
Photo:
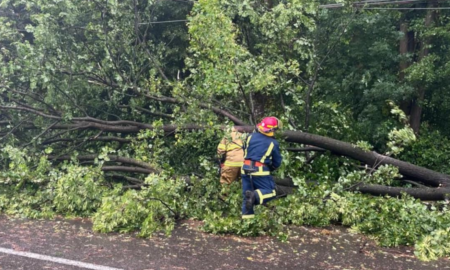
(259, 148)
(230, 148)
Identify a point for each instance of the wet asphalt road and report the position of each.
(189, 248)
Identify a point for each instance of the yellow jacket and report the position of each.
(231, 146)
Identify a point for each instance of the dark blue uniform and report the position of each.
(266, 150)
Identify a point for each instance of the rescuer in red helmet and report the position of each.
(261, 157)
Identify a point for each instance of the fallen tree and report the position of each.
(315, 142)
(425, 194)
(285, 185)
(371, 158)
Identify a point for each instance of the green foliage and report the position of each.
(384, 175)
(237, 50)
(78, 190)
(399, 138)
(434, 245)
(431, 150)
(364, 145)
(20, 167)
(154, 208)
(26, 203)
(266, 222)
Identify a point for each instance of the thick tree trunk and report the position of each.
(403, 49)
(416, 106)
(416, 110)
(404, 64)
(426, 194)
(370, 158)
(286, 186)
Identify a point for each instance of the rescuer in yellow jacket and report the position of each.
(232, 156)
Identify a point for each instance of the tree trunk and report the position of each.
(405, 48)
(426, 194)
(370, 158)
(416, 105)
(258, 104)
(286, 186)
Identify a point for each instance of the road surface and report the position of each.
(71, 244)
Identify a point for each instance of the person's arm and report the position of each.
(276, 156)
(222, 147)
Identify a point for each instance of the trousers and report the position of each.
(264, 190)
(229, 174)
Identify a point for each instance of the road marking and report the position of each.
(56, 260)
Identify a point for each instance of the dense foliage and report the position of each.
(113, 110)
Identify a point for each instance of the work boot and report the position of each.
(249, 199)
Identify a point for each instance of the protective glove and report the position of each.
(272, 168)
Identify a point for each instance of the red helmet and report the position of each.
(268, 125)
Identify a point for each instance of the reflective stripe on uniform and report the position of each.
(233, 163)
(265, 196)
(228, 147)
(261, 197)
(260, 172)
(270, 195)
(222, 147)
(247, 144)
(233, 146)
(248, 216)
(268, 152)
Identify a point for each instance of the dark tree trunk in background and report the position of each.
(259, 103)
(403, 49)
(417, 103)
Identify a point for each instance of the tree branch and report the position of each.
(103, 139)
(306, 149)
(148, 111)
(114, 158)
(126, 169)
(426, 194)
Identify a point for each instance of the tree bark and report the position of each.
(114, 158)
(403, 49)
(416, 105)
(286, 186)
(425, 194)
(338, 147)
(371, 158)
(404, 64)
